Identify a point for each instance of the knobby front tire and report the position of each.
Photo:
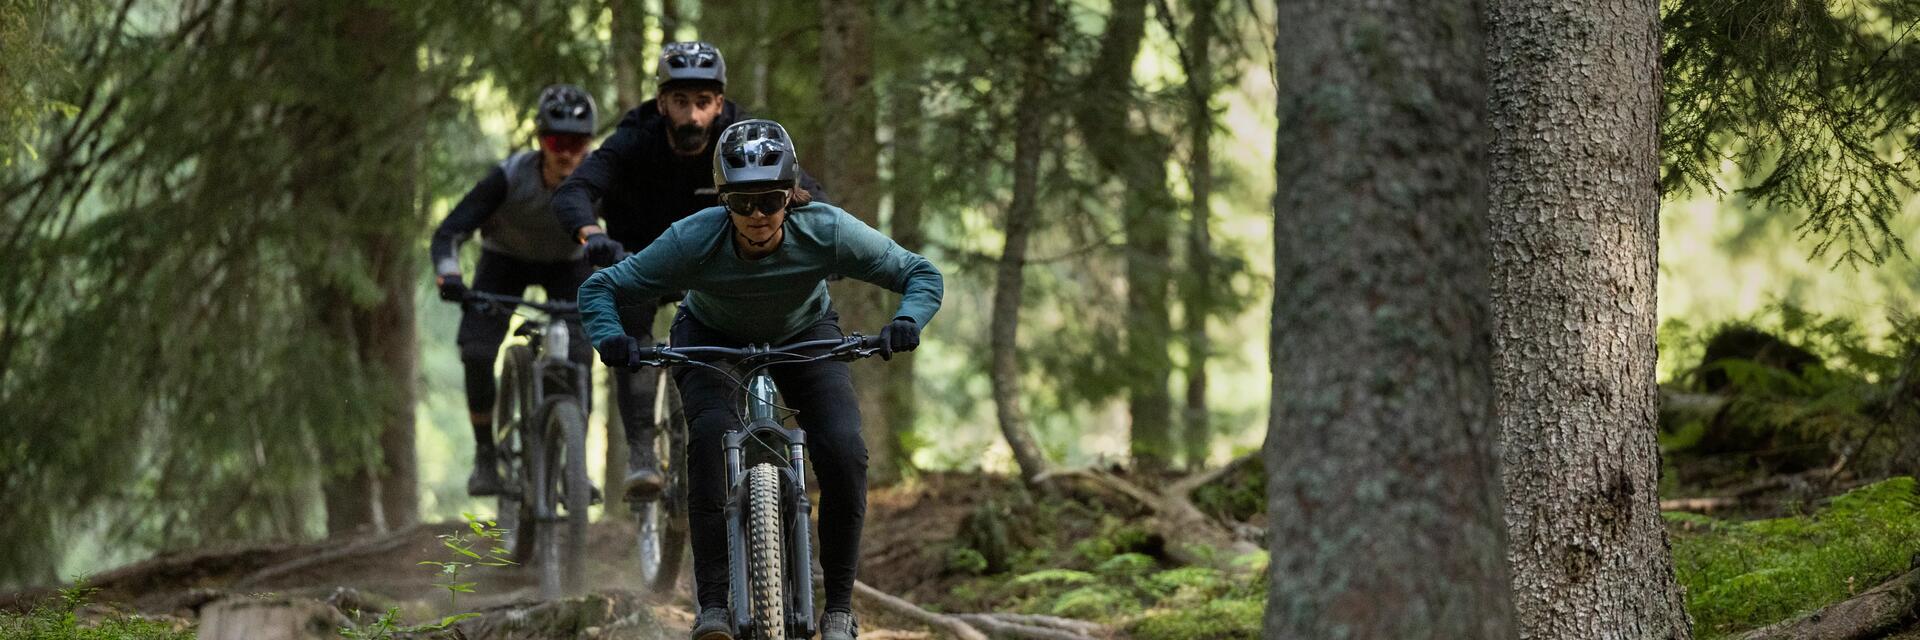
(563, 545)
(765, 551)
(512, 424)
(661, 523)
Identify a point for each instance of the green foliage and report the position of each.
(209, 230)
(1742, 575)
(967, 561)
(479, 548)
(1223, 619)
(1814, 102)
(60, 620)
(1238, 495)
(1856, 402)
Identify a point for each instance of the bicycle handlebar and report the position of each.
(852, 346)
(557, 308)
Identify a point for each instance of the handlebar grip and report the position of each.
(871, 342)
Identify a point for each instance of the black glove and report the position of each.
(452, 289)
(900, 335)
(622, 352)
(603, 251)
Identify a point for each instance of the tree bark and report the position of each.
(1198, 299)
(850, 169)
(670, 21)
(379, 220)
(1009, 277)
(1383, 489)
(1137, 157)
(1575, 103)
(908, 190)
(631, 50)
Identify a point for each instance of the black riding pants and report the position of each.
(822, 393)
(635, 391)
(481, 332)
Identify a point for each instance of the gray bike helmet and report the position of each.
(690, 63)
(755, 153)
(565, 108)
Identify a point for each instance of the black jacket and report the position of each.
(644, 187)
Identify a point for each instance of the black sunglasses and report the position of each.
(746, 203)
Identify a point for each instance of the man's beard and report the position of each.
(687, 139)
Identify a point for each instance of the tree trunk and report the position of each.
(1009, 278)
(670, 21)
(369, 196)
(850, 170)
(1198, 300)
(1137, 157)
(630, 52)
(1383, 490)
(1574, 227)
(908, 189)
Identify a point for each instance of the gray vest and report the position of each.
(524, 226)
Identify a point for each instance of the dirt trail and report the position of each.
(906, 535)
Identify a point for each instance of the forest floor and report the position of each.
(907, 532)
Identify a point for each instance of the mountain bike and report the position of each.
(768, 547)
(540, 427)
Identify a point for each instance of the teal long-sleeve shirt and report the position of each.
(767, 300)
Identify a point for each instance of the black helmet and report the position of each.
(564, 108)
(755, 153)
(690, 63)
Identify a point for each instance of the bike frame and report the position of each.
(764, 429)
(786, 449)
(550, 340)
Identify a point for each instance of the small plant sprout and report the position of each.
(479, 546)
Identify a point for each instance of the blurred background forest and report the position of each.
(217, 323)
(209, 291)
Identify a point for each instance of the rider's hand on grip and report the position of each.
(452, 289)
(623, 352)
(603, 251)
(900, 335)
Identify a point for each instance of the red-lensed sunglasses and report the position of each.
(563, 143)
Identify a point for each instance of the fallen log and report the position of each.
(1002, 625)
(371, 545)
(892, 604)
(1873, 614)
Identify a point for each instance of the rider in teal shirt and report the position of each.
(755, 272)
(767, 300)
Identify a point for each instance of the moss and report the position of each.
(1213, 620)
(1743, 575)
(57, 620)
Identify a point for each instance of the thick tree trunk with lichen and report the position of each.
(851, 171)
(1383, 489)
(1575, 230)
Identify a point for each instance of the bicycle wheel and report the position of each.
(765, 553)
(661, 523)
(563, 547)
(511, 416)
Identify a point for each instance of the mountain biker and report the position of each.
(755, 271)
(521, 244)
(654, 170)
